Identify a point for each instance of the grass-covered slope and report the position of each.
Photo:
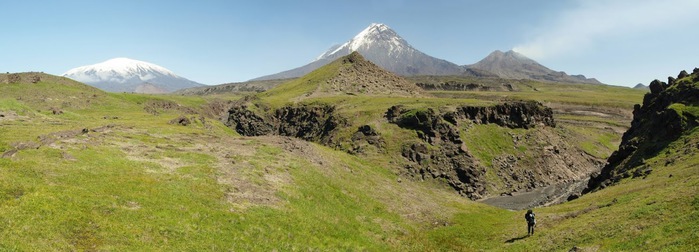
(119, 176)
(134, 181)
(349, 75)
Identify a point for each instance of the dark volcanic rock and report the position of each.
(464, 86)
(308, 122)
(524, 114)
(449, 157)
(657, 123)
(656, 87)
(450, 160)
(366, 135)
(247, 123)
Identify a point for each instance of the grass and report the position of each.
(489, 141)
(148, 185)
(304, 86)
(577, 94)
(594, 141)
(683, 109)
(593, 119)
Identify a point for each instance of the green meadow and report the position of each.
(112, 173)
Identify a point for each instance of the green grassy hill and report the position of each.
(111, 172)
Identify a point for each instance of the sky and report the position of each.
(619, 42)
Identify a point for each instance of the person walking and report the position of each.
(531, 221)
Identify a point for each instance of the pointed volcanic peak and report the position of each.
(514, 65)
(378, 43)
(641, 86)
(348, 75)
(128, 75)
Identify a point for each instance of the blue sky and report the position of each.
(620, 42)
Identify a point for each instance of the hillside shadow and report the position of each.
(516, 239)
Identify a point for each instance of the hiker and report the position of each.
(531, 221)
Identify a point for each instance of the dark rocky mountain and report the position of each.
(381, 45)
(513, 65)
(667, 113)
(128, 75)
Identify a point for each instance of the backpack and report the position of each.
(530, 218)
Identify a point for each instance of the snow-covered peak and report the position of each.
(375, 35)
(124, 74)
(382, 46)
(122, 66)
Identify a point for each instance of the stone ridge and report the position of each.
(359, 76)
(655, 125)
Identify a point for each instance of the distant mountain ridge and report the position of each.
(381, 45)
(128, 75)
(641, 86)
(513, 65)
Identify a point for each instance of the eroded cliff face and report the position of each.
(668, 111)
(546, 159)
(538, 155)
(313, 123)
(441, 154)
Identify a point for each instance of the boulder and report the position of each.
(656, 87)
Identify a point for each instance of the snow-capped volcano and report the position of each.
(376, 36)
(381, 45)
(128, 75)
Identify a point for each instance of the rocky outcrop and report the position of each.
(443, 154)
(523, 114)
(447, 159)
(463, 86)
(308, 122)
(364, 137)
(665, 116)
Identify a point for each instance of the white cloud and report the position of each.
(591, 21)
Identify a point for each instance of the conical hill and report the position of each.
(349, 75)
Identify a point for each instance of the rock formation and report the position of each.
(449, 158)
(668, 112)
(308, 122)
